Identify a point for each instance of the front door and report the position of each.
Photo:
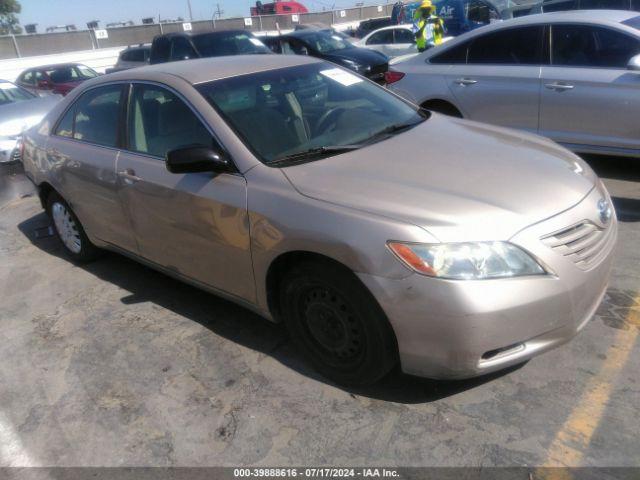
(588, 96)
(194, 224)
(500, 83)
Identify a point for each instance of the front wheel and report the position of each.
(69, 230)
(337, 324)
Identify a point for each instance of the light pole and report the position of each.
(190, 12)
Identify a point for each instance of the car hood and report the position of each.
(27, 112)
(363, 56)
(459, 180)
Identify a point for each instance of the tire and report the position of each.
(337, 324)
(69, 230)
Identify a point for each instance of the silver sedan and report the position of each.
(19, 110)
(304, 192)
(571, 76)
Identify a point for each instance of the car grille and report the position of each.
(583, 243)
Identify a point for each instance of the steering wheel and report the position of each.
(327, 118)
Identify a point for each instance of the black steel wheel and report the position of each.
(337, 324)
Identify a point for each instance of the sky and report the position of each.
(61, 12)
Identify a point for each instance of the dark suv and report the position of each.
(328, 46)
(172, 47)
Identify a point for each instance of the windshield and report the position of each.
(286, 112)
(10, 93)
(221, 44)
(325, 42)
(70, 73)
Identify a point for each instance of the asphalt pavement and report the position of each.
(113, 364)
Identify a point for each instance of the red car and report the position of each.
(60, 79)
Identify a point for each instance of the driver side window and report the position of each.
(159, 122)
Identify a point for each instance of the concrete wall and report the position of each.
(56, 43)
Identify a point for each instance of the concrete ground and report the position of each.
(113, 364)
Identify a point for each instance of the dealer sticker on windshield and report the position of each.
(338, 75)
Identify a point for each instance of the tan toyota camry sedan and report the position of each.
(377, 232)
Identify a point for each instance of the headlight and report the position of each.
(467, 261)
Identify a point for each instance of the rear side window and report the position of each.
(515, 46)
(589, 46)
(159, 122)
(635, 21)
(454, 55)
(181, 49)
(160, 50)
(381, 38)
(133, 56)
(27, 78)
(403, 35)
(93, 118)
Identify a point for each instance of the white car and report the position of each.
(572, 76)
(393, 41)
(19, 110)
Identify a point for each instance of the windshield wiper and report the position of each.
(391, 130)
(316, 152)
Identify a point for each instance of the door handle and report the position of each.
(558, 86)
(129, 176)
(465, 81)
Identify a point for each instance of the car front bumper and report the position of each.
(460, 329)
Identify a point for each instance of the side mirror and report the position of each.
(197, 159)
(634, 64)
(44, 84)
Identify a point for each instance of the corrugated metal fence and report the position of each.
(51, 43)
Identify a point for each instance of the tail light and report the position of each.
(393, 77)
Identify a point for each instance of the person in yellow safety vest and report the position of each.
(430, 26)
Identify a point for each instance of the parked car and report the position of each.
(172, 47)
(484, 249)
(367, 26)
(55, 79)
(132, 57)
(19, 110)
(571, 76)
(327, 46)
(392, 41)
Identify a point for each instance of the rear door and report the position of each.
(500, 81)
(195, 224)
(84, 147)
(588, 96)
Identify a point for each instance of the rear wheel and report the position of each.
(69, 230)
(337, 324)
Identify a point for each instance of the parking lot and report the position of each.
(111, 364)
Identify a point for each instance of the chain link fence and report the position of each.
(50, 43)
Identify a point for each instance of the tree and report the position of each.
(8, 17)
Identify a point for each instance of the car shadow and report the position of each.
(616, 168)
(236, 323)
(624, 169)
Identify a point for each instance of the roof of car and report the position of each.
(55, 65)
(600, 17)
(208, 69)
(591, 16)
(197, 34)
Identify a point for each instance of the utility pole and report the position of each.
(190, 12)
(218, 12)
